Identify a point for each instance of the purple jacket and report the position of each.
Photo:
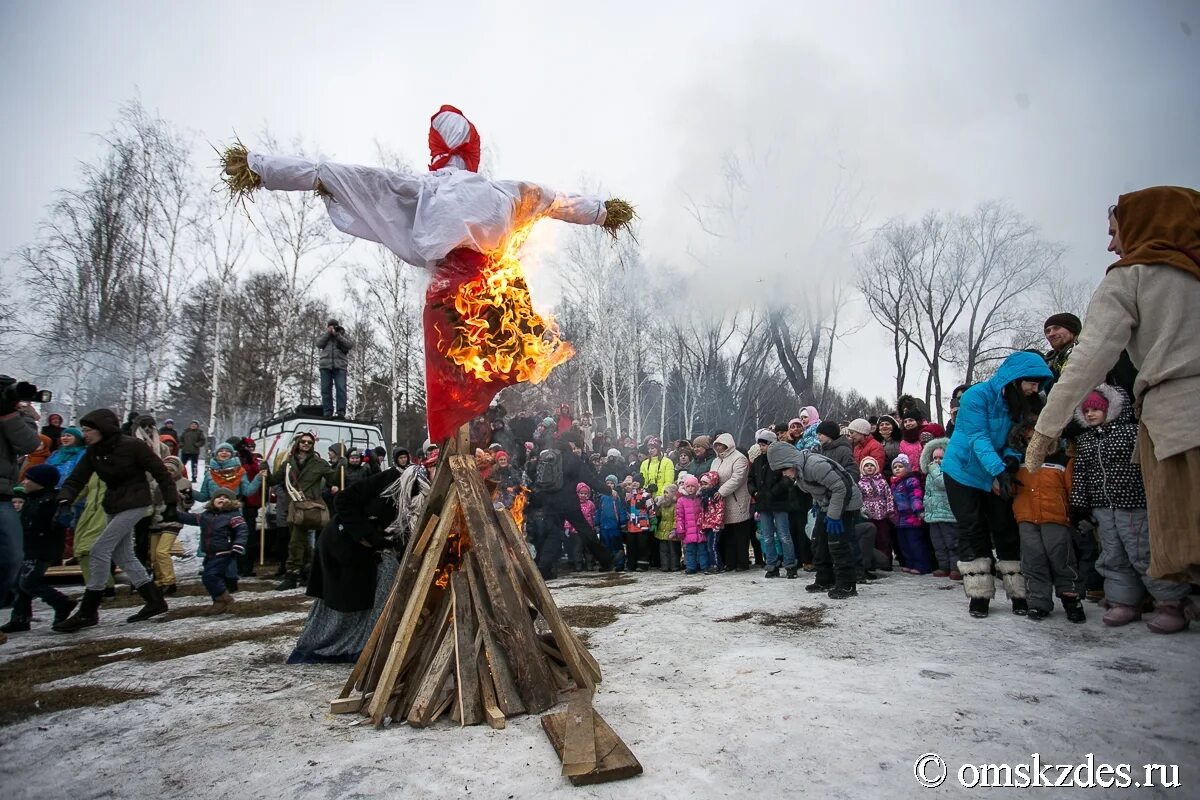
(909, 499)
(877, 497)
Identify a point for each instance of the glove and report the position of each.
(834, 527)
(170, 513)
(1011, 465)
(1035, 454)
(1004, 486)
(241, 551)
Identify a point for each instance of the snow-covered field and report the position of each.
(711, 708)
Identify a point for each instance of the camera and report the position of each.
(13, 391)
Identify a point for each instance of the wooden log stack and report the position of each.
(470, 627)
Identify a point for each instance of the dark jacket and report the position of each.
(346, 564)
(771, 492)
(18, 436)
(121, 461)
(575, 471)
(309, 478)
(45, 539)
(220, 531)
(191, 441)
(841, 451)
(1104, 473)
(333, 348)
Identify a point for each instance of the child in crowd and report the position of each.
(911, 423)
(878, 505)
(576, 552)
(943, 527)
(1047, 555)
(610, 520)
(45, 538)
(668, 540)
(637, 526)
(712, 517)
(1108, 482)
(223, 535)
(689, 512)
(909, 499)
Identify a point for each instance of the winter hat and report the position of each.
(889, 419)
(795, 421)
(102, 420)
(829, 428)
(223, 492)
(78, 434)
(1094, 400)
(43, 475)
(902, 460)
(1064, 320)
(690, 481)
(548, 421)
(861, 427)
(226, 446)
(499, 453)
(813, 415)
(912, 413)
(613, 453)
(610, 479)
(399, 451)
(765, 435)
(334, 323)
(702, 441)
(168, 422)
(712, 476)
(872, 459)
(172, 460)
(582, 487)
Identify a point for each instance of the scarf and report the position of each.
(1160, 225)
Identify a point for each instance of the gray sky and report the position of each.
(1056, 107)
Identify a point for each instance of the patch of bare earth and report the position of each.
(684, 592)
(127, 598)
(595, 616)
(802, 619)
(19, 678)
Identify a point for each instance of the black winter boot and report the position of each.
(792, 572)
(231, 584)
(155, 604)
(1037, 614)
(290, 581)
(86, 616)
(15, 626)
(979, 607)
(1074, 609)
(842, 592)
(818, 587)
(773, 572)
(62, 612)
(1020, 606)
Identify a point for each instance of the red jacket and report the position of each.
(872, 448)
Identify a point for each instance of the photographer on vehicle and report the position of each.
(334, 346)
(18, 436)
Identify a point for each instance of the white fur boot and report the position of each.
(1014, 581)
(978, 582)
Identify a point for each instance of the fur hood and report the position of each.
(1118, 406)
(927, 451)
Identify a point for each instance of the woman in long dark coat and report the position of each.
(355, 563)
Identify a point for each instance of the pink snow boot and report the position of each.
(1118, 615)
(1168, 618)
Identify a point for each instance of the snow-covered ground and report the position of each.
(711, 708)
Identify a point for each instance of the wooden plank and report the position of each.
(505, 693)
(514, 627)
(491, 712)
(446, 701)
(568, 646)
(345, 705)
(431, 686)
(371, 662)
(579, 739)
(426, 643)
(414, 603)
(552, 651)
(614, 760)
(467, 698)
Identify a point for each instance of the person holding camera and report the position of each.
(18, 437)
(333, 345)
(121, 461)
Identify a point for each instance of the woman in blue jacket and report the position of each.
(977, 485)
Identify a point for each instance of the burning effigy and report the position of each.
(470, 628)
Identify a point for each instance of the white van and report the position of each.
(273, 437)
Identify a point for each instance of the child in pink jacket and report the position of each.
(688, 513)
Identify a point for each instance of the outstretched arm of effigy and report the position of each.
(535, 200)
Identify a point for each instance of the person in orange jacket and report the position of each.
(1041, 505)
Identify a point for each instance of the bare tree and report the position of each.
(225, 237)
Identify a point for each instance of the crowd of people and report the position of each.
(1067, 474)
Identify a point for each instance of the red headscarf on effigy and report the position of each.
(453, 396)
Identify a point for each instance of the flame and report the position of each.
(498, 335)
(518, 507)
(457, 544)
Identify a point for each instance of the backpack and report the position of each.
(549, 477)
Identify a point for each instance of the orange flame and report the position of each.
(457, 544)
(518, 507)
(499, 335)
